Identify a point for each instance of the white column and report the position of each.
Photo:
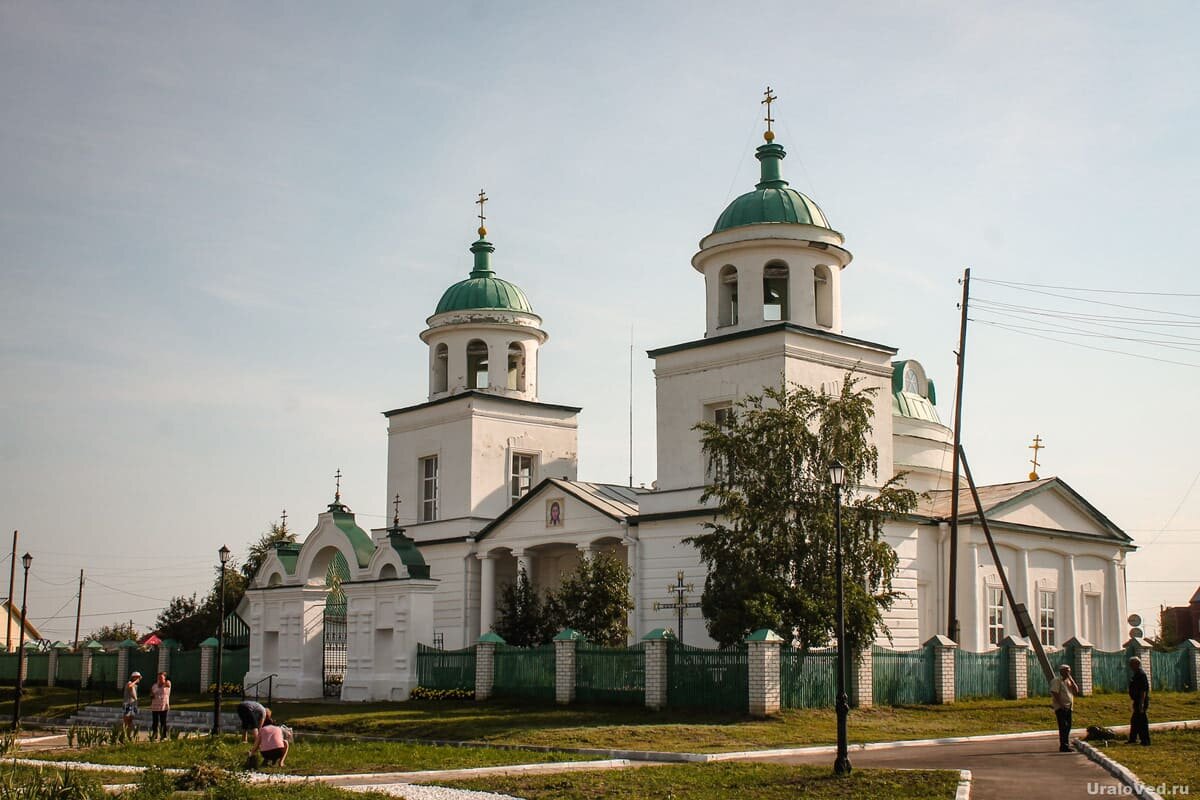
(1070, 595)
(1021, 590)
(1111, 622)
(585, 551)
(487, 592)
(972, 622)
(524, 562)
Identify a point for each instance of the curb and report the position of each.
(963, 792)
(1121, 773)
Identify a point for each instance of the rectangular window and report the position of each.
(1046, 618)
(521, 475)
(995, 614)
(717, 468)
(429, 488)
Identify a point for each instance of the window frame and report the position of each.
(430, 501)
(1048, 617)
(514, 492)
(994, 610)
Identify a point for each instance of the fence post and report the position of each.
(1141, 649)
(123, 661)
(52, 666)
(1080, 653)
(208, 654)
(862, 678)
(564, 665)
(762, 658)
(1016, 649)
(485, 664)
(85, 666)
(943, 668)
(657, 643)
(164, 655)
(1191, 650)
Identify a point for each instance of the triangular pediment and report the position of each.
(556, 508)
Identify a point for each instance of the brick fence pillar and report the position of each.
(164, 659)
(123, 663)
(943, 668)
(564, 665)
(763, 662)
(657, 643)
(485, 664)
(1079, 653)
(862, 679)
(1141, 648)
(52, 667)
(85, 667)
(208, 655)
(1016, 650)
(1192, 648)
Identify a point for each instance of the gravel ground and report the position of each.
(412, 791)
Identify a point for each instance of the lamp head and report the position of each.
(224, 554)
(837, 474)
(26, 560)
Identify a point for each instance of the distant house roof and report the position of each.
(31, 632)
(613, 500)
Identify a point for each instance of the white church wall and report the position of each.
(903, 620)
(924, 450)
(442, 430)
(663, 555)
(1050, 510)
(500, 430)
(497, 337)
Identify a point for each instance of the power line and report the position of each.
(1103, 303)
(1032, 315)
(1089, 347)
(1068, 331)
(1016, 285)
(1171, 518)
(125, 591)
(1082, 316)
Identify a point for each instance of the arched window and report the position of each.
(727, 296)
(823, 295)
(441, 368)
(775, 292)
(516, 367)
(477, 364)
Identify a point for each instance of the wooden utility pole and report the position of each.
(78, 610)
(952, 629)
(12, 578)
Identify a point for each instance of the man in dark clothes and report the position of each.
(1139, 695)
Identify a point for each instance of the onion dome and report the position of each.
(772, 199)
(483, 290)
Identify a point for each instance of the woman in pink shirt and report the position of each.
(270, 742)
(160, 704)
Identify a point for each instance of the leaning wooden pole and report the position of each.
(1024, 623)
(952, 629)
(12, 577)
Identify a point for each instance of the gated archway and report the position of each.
(333, 636)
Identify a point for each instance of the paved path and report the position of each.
(1030, 768)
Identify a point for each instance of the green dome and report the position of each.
(483, 290)
(772, 200)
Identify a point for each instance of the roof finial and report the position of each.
(768, 99)
(1037, 445)
(483, 198)
(283, 520)
(396, 515)
(337, 491)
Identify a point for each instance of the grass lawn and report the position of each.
(307, 757)
(1173, 758)
(722, 781)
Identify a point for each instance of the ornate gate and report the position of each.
(333, 649)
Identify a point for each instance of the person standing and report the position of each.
(160, 704)
(1139, 696)
(129, 702)
(1062, 699)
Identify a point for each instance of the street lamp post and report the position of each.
(26, 560)
(224, 555)
(841, 766)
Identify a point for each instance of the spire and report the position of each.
(770, 154)
(482, 248)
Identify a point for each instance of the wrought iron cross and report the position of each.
(769, 98)
(283, 519)
(1037, 445)
(681, 590)
(483, 198)
(337, 492)
(396, 516)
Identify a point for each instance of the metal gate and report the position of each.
(333, 645)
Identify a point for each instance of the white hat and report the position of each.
(135, 674)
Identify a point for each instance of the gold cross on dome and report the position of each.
(337, 492)
(1037, 445)
(768, 99)
(483, 198)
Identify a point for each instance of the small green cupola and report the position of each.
(483, 290)
(772, 199)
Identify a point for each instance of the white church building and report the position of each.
(491, 470)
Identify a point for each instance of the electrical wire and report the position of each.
(1068, 331)
(1103, 303)
(1089, 347)
(134, 594)
(60, 609)
(1016, 285)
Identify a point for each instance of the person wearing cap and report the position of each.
(1139, 696)
(1062, 699)
(129, 707)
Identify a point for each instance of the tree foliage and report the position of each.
(771, 551)
(117, 632)
(523, 617)
(186, 621)
(265, 545)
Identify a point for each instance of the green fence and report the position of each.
(70, 669)
(104, 671)
(980, 674)
(1169, 671)
(185, 671)
(807, 678)
(145, 662)
(37, 669)
(234, 666)
(1110, 672)
(615, 675)
(8, 668)
(524, 672)
(902, 677)
(713, 679)
(445, 669)
(1035, 682)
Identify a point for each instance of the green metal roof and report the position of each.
(909, 404)
(483, 290)
(288, 553)
(364, 548)
(410, 556)
(772, 200)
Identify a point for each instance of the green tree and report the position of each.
(265, 545)
(186, 621)
(594, 600)
(117, 632)
(1168, 631)
(770, 552)
(523, 617)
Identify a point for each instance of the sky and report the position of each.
(223, 225)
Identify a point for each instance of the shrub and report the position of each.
(425, 693)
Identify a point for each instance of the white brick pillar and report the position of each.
(487, 592)
(1080, 654)
(862, 679)
(164, 659)
(1193, 661)
(1141, 648)
(1015, 652)
(85, 668)
(657, 643)
(52, 667)
(763, 662)
(943, 668)
(122, 666)
(208, 657)
(485, 665)
(564, 665)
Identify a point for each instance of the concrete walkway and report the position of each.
(1030, 768)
